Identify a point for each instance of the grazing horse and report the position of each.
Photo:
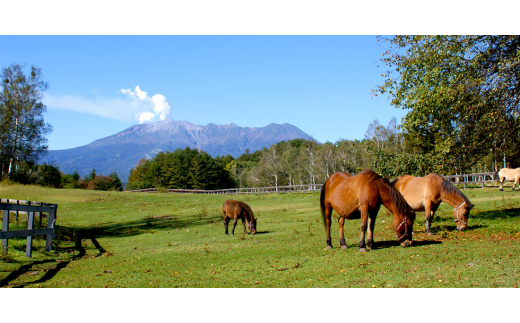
(426, 194)
(361, 196)
(509, 175)
(238, 210)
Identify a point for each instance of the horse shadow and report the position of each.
(391, 244)
(263, 232)
(494, 214)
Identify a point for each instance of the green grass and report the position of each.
(118, 239)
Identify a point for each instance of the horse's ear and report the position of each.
(471, 206)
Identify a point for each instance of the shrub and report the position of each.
(102, 183)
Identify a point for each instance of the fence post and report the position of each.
(5, 228)
(50, 225)
(40, 217)
(30, 225)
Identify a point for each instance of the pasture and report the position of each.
(118, 239)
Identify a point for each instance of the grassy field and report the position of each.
(118, 239)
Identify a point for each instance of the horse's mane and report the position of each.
(447, 187)
(248, 210)
(397, 197)
(370, 175)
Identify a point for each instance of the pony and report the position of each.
(425, 194)
(510, 175)
(361, 196)
(238, 210)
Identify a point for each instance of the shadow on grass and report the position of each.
(415, 243)
(494, 214)
(263, 232)
(66, 235)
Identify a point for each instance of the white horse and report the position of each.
(510, 175)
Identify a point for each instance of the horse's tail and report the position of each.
(322, 205)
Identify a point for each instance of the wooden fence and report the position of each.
(30, 209)
(464, 179)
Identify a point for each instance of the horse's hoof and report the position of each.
(429, 234)
(343, 247)
(329, 247)
(362, 250)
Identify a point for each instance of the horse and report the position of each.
(425, 194)
(510, 175)
(361, 196)
(238, 210)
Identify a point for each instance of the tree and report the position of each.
(92, 175)
(22, 127)
(118, 185)
(462, 93)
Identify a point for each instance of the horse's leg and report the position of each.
(371, 226)
(328, 220)
(429, 215)
(226, 223)
(244, 224)
(515, 182)
(364, 221)
(234, 225)
(342, 242)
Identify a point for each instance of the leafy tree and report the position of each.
(462, 94)
(188, 168)
(118, 185)
(22, 127)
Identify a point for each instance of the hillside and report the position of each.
(122, 151)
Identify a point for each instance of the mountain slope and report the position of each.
(122, 151)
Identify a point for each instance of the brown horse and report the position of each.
(426, 194)
(361, 196)
(238, 210)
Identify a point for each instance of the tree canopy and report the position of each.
(188, 168)
(462, 95)
(22, 127)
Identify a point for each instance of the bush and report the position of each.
(102, 183)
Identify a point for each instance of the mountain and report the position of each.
(122, 151)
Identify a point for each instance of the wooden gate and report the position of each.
(30, 208)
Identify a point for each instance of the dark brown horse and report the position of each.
(361, 196)
(238, 210)
(426, 194)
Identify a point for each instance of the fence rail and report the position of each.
(463, 179)
(31, 209)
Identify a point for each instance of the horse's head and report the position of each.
(404, 228)
(461, 215)
(252, 226)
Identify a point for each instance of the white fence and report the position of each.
(464, 179)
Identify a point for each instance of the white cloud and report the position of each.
(145, 117)
(134, 104)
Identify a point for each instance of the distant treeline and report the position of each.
(293, 162)
(385, 150)
(51, 176)
(188, 168)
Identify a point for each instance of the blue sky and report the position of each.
(104, 79)
(320, 84)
